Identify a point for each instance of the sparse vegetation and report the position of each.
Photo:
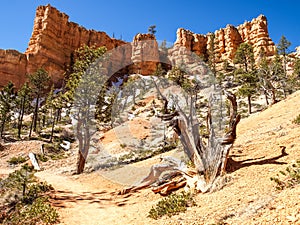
(123, 145)
(297, 120)
(288, 178)
(16, 160)
(24, 200)
(171, 205)
(52, 151)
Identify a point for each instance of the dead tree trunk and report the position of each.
(209, 157)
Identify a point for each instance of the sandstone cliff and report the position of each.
(228, 39)
(51, 45)
(54, 39)
(145, 54)
(12, 67)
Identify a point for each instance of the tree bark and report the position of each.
(36, 109)
(53, 125)
(249, 104)
(209, 159)
(20, 118)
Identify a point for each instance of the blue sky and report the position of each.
(126, 18)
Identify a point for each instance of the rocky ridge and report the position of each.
(227, 40)
(54, 40)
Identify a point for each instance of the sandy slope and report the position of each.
(249, 197)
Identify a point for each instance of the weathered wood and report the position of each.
(172, 185)
(34, 161)
(209, 157)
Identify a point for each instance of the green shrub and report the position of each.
(25, 201)
(171, 205)
(53, 151)
(36, 190)
(16, 160)
(288, 178)
(39, 211)
(42, 158)
(297, 120)
(123, 145)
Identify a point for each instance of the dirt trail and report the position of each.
(91, 199)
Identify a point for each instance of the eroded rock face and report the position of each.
(53, 41)
(228, 39)
(256, 33)
(145, 54)
(12, 67)
(193, 42)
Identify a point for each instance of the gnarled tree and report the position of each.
(209, 156)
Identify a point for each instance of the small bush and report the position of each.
(171, 205)
(39, 211)
(297, 120)
(53, 151)
(36, 190)
(42, 158)
(123, 145)
(16, 160)
(24, 200)
(288, 178)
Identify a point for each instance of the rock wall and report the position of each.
(51, 45)
(145, 54)
(228, 39)
(12, 67)
(54, 40)
(256, 33)
(193, 42)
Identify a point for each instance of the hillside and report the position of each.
(248, 196)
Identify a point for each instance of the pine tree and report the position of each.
(7, 97)
(246, 76)
(152, 29)
(265, 77)
(24, 99)
(282, 48)
(176, 75)
(39, 82)
(86, 84)
(278, 74)
(244, 55)
(52, 107)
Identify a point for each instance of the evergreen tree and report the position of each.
(248, 88)
(246, 76)
(39, 82)
(52, 107)
(84, 57)
(152, 29)
(177, 75)
(24, 99)
(244, 55)
(282, 48)
(7, 97)
(296, 71)
(265, 77)
(85, 87)
(278, 74)
(159, 72)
